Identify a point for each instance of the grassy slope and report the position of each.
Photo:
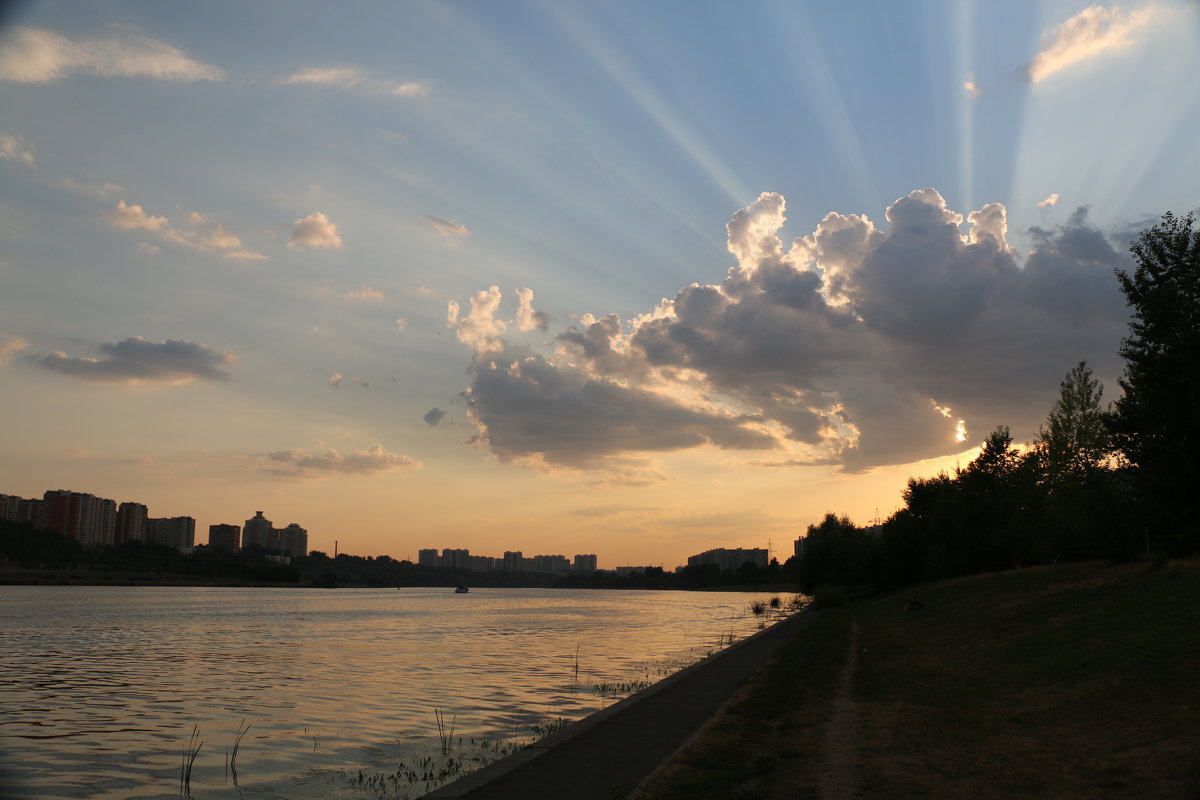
(1078, 681)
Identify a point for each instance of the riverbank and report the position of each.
(1066, 681)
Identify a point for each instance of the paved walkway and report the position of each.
(606, 755)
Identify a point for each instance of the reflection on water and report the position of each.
(101, 687)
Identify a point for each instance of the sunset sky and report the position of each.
(630, 278)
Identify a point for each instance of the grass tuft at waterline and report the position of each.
(1073, 681)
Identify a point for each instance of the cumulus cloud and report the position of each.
(326, 76)
(1052, 200)
(849, 345)
(148, 248)
(10, 345)
(401, 324)
(299, 464)
(1089, 34)
(433, 417)
(527, 318)
(335, 380)
(971, 87)
(36, 55)
(138, 361)
(13, 149)
(315, 230)
(446, 228)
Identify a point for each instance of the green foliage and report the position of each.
(1155, 423)
(1075, 441)
(829, 597)
(834, 553)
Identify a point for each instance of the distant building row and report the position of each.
(258, 530)
(513, 561)
(97, 521)
(730, 558)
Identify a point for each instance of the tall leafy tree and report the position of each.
(1156, 422)
(1074, 441)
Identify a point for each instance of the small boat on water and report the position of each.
(461, 590)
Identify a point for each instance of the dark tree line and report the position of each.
(1095, 483)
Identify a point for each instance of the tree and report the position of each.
(1075, 441)
(1156, 423)
(835, 552)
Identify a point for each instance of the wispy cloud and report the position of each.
(1090, 34)
(1049, 201)
(444, 227)
(13, 149)
(88, 189)
(300, 465)
(199, 232)
(366, 293)
(315, 230)
(326, 76)
(36, 55)
(10, 345)
(411, 89)
(137, 361)
(346, 77)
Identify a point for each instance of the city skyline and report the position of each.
(641, 280)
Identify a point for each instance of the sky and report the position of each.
(626, 278)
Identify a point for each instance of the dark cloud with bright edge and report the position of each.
(855, 345)
(136, 360)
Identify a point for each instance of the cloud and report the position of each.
(13, 149)
(411, 89)
(366, 293)
(971, 87)
(335, 380)
(35, 55)
(447, 228)
(401, 324)
(1089, 34)
(133, 217)
(479, 329)
(433, 417)
(528, 319)
(327, 76)
(846, 346)
(298, 464)
(10, 345)
(136, 361)
(89, 189)
(200, 234)
(1052, 200)
(315, 230)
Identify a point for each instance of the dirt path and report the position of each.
(839, 775)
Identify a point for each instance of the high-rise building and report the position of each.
(132, 523)
(225, 537)
(456, 559)
(731, 558)
(428, 557)
(514, 561)
(293, 540)
(176, 532)
(258, 531)
(88, 519)
(585, 564)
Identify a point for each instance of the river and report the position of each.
(337, 693)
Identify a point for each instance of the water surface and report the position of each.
(101, 687)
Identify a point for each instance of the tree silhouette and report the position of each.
(1156, 423)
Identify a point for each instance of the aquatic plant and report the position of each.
(189, 758)
(231, 757)
(775, 602)
(445, 736)
(758, 607)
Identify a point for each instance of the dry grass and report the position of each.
(1077, 681)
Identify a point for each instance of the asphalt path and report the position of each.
(608, 755)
